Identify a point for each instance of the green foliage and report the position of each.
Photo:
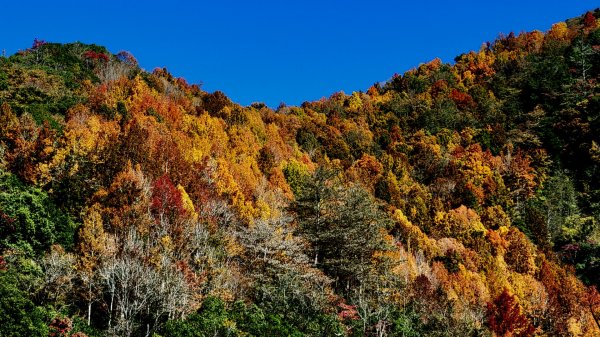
(216, 319)
(418, 318)
(31, 220)
(256, 322)
(307, 140)
(153, 113)
(343, 223)
(295, 174)
(291, 307)
(211, 320)
(3, 78)
(451, 260)
(586, 259)
(407, 324)
(80, 325)
(65, 60)
(19, 315)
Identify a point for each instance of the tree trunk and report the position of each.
(89, 318)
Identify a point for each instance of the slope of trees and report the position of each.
(454, 200)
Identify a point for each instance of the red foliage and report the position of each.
(519, 175)
(190, 277)
(38, 43)
(2, 263)
(504, 317)
(569, 252)
(347, 311)
(589, 20)
(92, 55)
(462, 99)
(166, 198)
(439, 87)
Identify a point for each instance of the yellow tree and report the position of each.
(92, 247)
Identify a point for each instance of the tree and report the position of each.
(91, 248)
(59, 274)
(31, 221)
(505, 317)
(167, 203)
(311, 205)
(593, 301)
(520, 254)
(344, 225)
(140, 293)
(589, 20)
(19, 315)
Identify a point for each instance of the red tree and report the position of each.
(505, 318)
(166, 198)
(589, 20)
(37, 43)
(92, 55)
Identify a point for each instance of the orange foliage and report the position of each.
(366, 171)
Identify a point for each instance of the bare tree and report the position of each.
(59, 273)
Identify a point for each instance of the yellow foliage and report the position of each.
(417, 240)
(559, 31)
(86, 136)
(263, 210)
(256, 125)
(232, 247)
(462, 223)
(246, 173)
(470, 287)
(242, 142)
(92, 239)
(224, 183)
(355, 102)
(532, 294)
(574, 327)
(246, 210)
(498, 276)
(206, 137)
(166, 242)
(188, 205)
(385, 98)
(495, 217)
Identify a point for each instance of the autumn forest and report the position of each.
(456, 199)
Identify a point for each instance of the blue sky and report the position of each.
(280, 51)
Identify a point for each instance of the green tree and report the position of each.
(31, 220)
(19, 315)
(344, 225)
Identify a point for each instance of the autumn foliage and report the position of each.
(505, 317)
(452, 200)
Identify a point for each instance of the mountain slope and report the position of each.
(455, 199)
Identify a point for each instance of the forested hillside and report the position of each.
(453, 200)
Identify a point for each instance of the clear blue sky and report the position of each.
(280, 51)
